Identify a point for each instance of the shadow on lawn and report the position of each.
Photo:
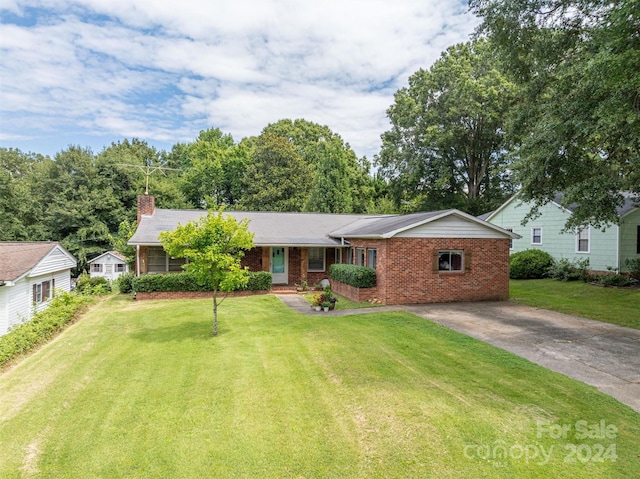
(187, 331)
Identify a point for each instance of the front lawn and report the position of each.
(143, 390)
(619, 306)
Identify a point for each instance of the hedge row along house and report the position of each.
(438, 256)
(29, 274)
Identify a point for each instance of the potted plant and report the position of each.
(317, 301)
(326, 305)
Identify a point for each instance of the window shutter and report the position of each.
(467, 261)
(434, 263)
(34, 294)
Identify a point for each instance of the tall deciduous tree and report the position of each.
(214, 167)
(339, 182)
(213, 247)
(277, 179)
(447, 144)
(579, 124)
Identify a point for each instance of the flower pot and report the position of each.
(326, 310)
(318, 308)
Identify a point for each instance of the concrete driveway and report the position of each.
(598, 354)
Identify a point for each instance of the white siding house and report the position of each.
(109, 265)
(30, 272)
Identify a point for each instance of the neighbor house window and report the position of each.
(372, 257)
(42, 291)
(450, 260)
(119, 268)
(582, 240)
(46, 290)
(360, 256)
(510, 230)
(96, 268)
(316, 259)
(338, 255)
(536, 235)
(37, 293)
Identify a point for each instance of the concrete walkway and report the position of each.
(599, 354)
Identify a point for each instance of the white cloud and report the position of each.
(159, 71)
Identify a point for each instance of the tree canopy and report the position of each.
(447, 145)
(578, 122)
(213, 247)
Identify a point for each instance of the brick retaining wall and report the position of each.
(140, 296)
(360, 295)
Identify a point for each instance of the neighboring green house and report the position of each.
(604, 249)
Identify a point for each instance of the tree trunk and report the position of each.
(215, 312)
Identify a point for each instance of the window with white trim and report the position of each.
(120, 268)
(582, 240)
(42, 291)
(338, 256)
(360, 256)
(510, 230)
(96, 267)
(316, 261)
(536, 235)
(372, 257)
(451, 260)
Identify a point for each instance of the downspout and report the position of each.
(137, 260)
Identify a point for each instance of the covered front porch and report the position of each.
(289, 265)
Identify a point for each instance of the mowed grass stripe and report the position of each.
(143, 390)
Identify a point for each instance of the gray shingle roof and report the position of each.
(378, 226)
(18, 258)
(269, 228)
(296, 229)
(631, 202)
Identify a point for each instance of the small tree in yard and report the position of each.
(213, 246)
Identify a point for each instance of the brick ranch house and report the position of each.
(430, 257)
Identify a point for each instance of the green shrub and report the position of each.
(351, 274)
(565, 270)
(259, 281)
(530, 264)
(633, 265)
(620, 280)
(148, 283)
(125, 283)
(24, 337)
(89, 285)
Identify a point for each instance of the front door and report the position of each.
(279, 265)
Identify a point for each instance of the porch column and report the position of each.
(266, 258)
(304, 261)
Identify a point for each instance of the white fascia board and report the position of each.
(460, 214)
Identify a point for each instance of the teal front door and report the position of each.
(279, 265)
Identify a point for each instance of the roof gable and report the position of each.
(106, 254)
(424, 225)
(18, 259)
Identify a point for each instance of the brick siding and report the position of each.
(405, 272)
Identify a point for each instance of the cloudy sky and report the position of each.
(89, 72)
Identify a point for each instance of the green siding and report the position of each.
(629, 237)
(602, 245)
